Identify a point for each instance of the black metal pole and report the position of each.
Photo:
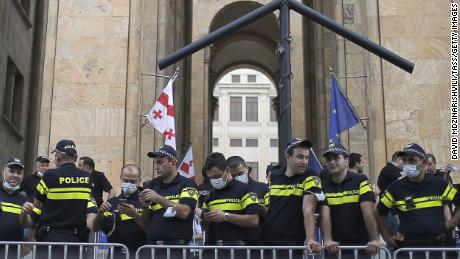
(351, 35)
(215, 35)
(284, 52)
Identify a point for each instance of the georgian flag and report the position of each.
(161, 116)
(187, 168)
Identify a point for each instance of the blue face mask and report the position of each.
(218, 183)
(411, 170)
(128, 188)
(242, 178)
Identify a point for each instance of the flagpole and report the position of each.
(313, 152)
(348, 101)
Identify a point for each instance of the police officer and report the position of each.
(121, 217)
(172, 199)
(62, 196)
(418, 198)
(231, 207)
(29, 184)
(239, 171)
(347, 212)
(11, 201)
(294, 193)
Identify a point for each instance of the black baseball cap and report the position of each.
(297, 142)
(66, 147)
(42, 159)
(413, 149)
(165, 150)
(14, 163)
(337, 149)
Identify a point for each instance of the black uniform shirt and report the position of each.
(126, 231)
(419, 205)
(235, 198)
(11, 206)
(343, 199)
(99, 186)
(284, 222)
(180, 191)
(29, 185)
(260, 189)
(65, 193)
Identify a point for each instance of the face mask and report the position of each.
(218, 183)
(411, 170)
(9, 187)
(242, 178)
(40, 174)
(128, 188)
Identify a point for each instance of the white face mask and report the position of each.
(39, 174)
(9, 187)
(128, 188)
(411, 170)
(242, 178)
(218, 183)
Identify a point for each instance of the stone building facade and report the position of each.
(94, 74)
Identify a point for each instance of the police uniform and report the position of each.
(120, 228)
(64, 193)
(420, 209)
(284, 224)
(253, 234)
(343, 199)
(11, 207)
(173, 231)
(235, 198)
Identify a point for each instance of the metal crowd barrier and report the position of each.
(252, 252)
(57, 250)
(427, 253)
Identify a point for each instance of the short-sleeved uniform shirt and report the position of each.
(419, 205)
(284, 224)
(344, 199)
(261, 190)
(29, 185)
(65, 193)
(11, 207)
(90, 208)
(125, 230)
(180, 191)
(235, 198)
(100, 184)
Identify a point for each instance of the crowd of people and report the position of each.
(413, 204)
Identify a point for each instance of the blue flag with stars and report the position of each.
(313, 162)
(341, 114)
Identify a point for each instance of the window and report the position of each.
(236, 112)
(273, 142)
(251, 109)
(236, 142)
(216, 114)
(272, 110)
(252, 142)
(215, 142)
(252, 78)
(254, 170)
(236, 79)
(12, 99)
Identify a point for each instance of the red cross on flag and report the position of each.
(187, 168)
(161, 116)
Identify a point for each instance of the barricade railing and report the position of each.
(58, 250)
(427, 253)
(252, 252)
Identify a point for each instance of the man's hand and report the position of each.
(128, 209)
(148, 195)
(27, 208)
(313, 246)
(391, 241)
(332, 247)
(373, 247)
(214, 216)
(104, 208)
(450, 224)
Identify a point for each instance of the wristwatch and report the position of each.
(226, 216)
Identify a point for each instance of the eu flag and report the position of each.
(313, 163)
(341, 114)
